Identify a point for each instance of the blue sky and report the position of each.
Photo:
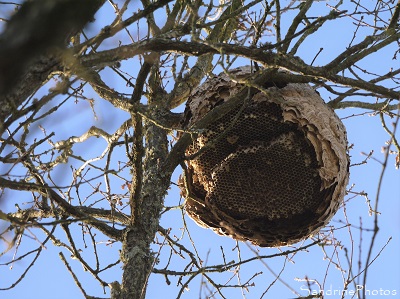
(50, 279)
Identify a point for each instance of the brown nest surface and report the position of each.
(273, 171)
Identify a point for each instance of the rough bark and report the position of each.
(27, 45)
(136, 255)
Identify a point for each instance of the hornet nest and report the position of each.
(273, 171)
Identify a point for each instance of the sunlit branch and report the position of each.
(265, 57)
(64, 205)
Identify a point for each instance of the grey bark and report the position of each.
(136, 254)
(29, 44)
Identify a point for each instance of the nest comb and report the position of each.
(272, 171)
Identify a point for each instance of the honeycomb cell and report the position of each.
(272, 172)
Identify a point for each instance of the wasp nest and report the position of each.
(272, 171)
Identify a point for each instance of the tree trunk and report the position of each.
(136, 254)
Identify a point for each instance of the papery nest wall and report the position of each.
(273, 171)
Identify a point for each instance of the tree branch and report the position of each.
(66, 208)
(265, 57)
(37, 28)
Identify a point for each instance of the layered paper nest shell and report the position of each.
(273, 171)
